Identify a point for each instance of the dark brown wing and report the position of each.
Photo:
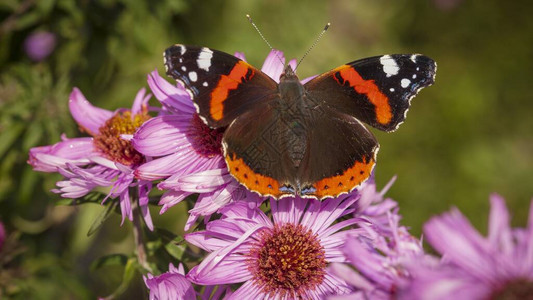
(340, 155)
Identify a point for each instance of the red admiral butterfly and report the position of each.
(291, 139)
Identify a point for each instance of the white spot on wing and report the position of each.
(414, 76)
(405, 82)
(390, 67)
(204, 59)
(391, 89)
(183, 68)
(205, 83)
(182, 49)
(413, 57)
(193, 76)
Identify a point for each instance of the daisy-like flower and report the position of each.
(170, 286)
(372, 204)
(283, 257)
(173, 285)
(499, 266)
(187, 153)
(107, 159)
(378, 258)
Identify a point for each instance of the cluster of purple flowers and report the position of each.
(350, 247)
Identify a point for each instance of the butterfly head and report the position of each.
(288, 74)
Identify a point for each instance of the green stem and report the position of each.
(140, 250)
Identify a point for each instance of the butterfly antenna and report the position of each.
(314, 44)
(263, 37)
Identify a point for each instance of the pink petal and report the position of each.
(231, 269)
(248, 291)
(49, 158)
(175, 98)
(274, 64)
(163, 167)
(500, 235)
(240, 56)
(453, 236)
(171, 198)
(162, 135)
(350, 276)
(89, 117)
(140, 102)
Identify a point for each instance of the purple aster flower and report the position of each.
(281, 257)
(499, 266)
(373, 206)
(187, 153)
(171, 285)
(39, 45)
(2, 235)
(379, 258)
(107, 159)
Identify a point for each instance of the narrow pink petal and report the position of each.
(274, 64)
(144, 190)
(86, 115)
(528, 257)
(175, 98)
(125, 206)
(209, 203)
(163, 167)
(49, 158)
(500, 235)
(231, 269)
(246, 210)
(306, 80)
(289, 210)
(202, 241)
(248, 291)
(171, 198)
(162, 135)
(202, 182)
(293, 63)
(141, 101)
(454, 237)
(351, 276)
(240, 56)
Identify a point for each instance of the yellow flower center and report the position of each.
(115, 148)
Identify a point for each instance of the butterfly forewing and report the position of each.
(375, 90)
(221, 85)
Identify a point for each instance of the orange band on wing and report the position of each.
(344, 183)
(225, 84)
(370, 89)
(253, 181)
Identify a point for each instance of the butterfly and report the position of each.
(292, 139)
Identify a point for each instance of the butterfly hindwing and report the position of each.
(221, 85)
(340, 155)
(376, 90)
(255, 150)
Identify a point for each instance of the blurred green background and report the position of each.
(465, 137)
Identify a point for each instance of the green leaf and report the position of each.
(109, 260)
(9, 136)
(176, 249)
(129, 274)
(110, 206)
